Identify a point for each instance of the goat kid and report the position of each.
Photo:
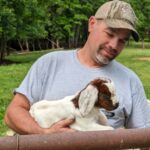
(84, 107)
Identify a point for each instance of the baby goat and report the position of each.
(84, 107)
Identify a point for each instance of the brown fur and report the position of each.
(104, 95)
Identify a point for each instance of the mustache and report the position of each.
(110, 50)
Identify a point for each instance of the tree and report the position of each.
(7, 26)
(63, 23)
(142, 10)
(67, 18)
(23, 20)
(32, 17)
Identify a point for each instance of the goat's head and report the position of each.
(107, 98)
(98, 93)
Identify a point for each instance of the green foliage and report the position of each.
(57, 21)
(7, 22)
(65, 16)
(32, 17)
(142, 10)
(22, 20)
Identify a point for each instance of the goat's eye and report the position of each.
(106, 96)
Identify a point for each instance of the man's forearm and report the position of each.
(21, 122)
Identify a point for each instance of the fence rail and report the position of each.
(101, 140)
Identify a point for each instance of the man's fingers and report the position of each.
(66, 122)
(61, 126)
(67, 130)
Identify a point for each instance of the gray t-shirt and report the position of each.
(59, 74)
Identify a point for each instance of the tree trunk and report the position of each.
(47, 44)
(27, 45)
(128, 43)
(52, 43)
(57, 44)
(33, 45)
(69, 42)
(77, 36)
(39, 45)
(2, 49)
(7, 51)
(20, 45)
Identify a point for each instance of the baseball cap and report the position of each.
(118, 14)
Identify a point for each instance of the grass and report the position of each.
(12, 75)
(131, 58)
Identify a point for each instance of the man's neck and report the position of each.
(85, 59)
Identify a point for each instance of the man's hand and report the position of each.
(61, 126)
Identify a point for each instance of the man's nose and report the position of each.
(113, 44)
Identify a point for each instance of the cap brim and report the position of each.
(115, 23)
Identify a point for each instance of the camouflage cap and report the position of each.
(118, 14)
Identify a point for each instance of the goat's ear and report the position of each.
(87, 99)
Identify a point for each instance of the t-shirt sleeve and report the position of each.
(140, 114)
(32, 83)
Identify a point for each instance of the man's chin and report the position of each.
(103, 62)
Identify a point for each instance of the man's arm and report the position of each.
(18, 118)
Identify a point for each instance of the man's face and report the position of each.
(105, 43)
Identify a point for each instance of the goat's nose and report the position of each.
(116, 105)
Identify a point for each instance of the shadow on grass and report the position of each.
(9, 62)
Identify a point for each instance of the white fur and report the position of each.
(87, 117)
(87, 99)
(112, 90)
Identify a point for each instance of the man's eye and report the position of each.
(109, 34)
(123, 41)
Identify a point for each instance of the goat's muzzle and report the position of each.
(116, 105)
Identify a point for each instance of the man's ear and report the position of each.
(91, 23)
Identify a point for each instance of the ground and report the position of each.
(144, 58)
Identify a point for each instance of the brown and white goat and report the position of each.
(84, 107)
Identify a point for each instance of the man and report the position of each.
(59, 74)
